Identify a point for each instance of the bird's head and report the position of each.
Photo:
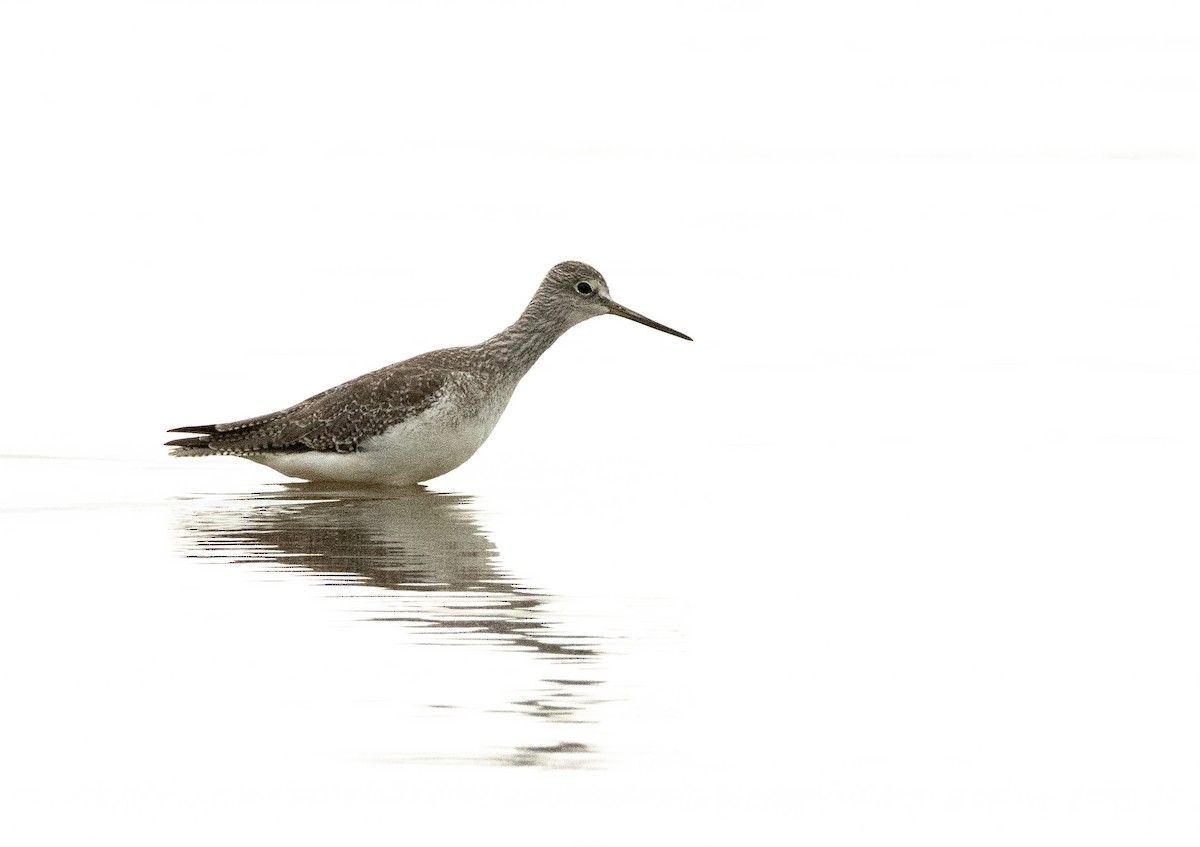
(579, 292)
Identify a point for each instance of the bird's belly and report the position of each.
(413, 451)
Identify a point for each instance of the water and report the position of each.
(936, 632)
(287, 646)
(901, 549)
(421, 560)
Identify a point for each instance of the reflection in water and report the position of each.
(425, 559)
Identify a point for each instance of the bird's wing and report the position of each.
(341, 418)
(337, 419)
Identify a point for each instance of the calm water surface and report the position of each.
(902, 550)
(862, 635)
(945, 590)
(419, 561)
(313, 661)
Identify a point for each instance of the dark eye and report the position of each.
(583, 288)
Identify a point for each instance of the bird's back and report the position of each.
(341, 419)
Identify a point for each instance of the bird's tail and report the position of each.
(197, 445)
(239, 438)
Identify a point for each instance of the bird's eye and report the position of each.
(583, 288)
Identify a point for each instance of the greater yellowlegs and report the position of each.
(420, 418)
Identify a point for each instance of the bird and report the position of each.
(418, 419)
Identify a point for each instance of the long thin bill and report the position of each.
(618, 309)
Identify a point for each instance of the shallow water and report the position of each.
(901, 550)
(935, 634)
(421, 561)
(283, 642)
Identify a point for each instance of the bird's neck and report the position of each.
(529, 337)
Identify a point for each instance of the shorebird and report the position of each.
(420, 418)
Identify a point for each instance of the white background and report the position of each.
(924, 486)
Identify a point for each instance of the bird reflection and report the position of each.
(422, 559)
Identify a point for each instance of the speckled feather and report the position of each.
(342, 417)
(419, 418)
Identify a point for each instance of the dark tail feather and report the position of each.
(198, 441)
(252, 435)
(198, 446)
(240, 443)
(206, 429)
